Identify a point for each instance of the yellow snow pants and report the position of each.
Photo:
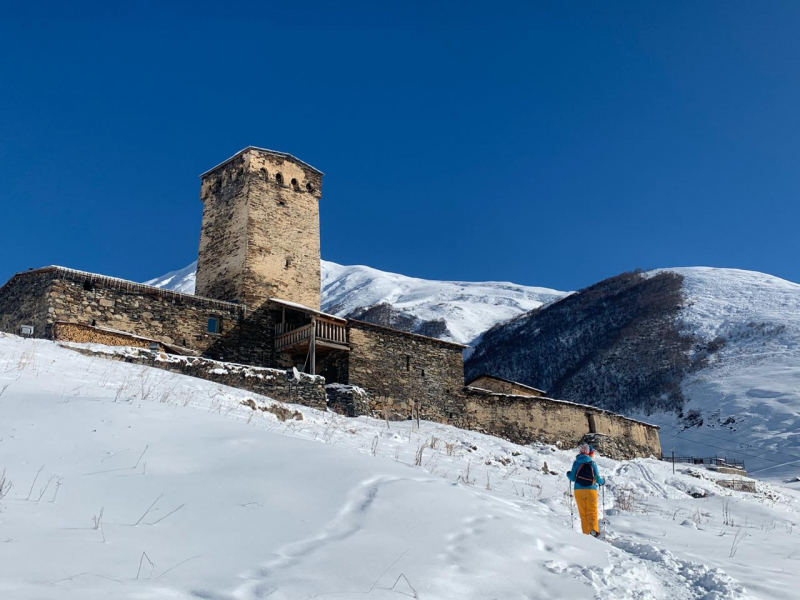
(587, 508)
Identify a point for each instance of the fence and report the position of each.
(717, 461)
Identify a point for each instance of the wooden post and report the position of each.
(313, 346)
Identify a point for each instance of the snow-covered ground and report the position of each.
(130, 482)
(468, 308)
(748, 396)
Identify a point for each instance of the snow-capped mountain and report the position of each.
(712, 355)
(183, 280)
(458, 311)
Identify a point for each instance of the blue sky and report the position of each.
(545, 143)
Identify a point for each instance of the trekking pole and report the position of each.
(571, 509)
(603, 519)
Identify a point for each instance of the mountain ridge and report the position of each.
(457, 311)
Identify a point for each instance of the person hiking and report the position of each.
(586, 479)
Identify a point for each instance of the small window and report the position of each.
(279, 178)
(295, 185)
(408, 362)
(422, 372)
(213, 325)
(310, 188)
(287, 263)
(264, 174)
(87, 285)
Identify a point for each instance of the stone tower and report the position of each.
(260, 232)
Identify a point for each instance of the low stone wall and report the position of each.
(526, 419)
(348, 400)
(404, 372)
(308, 390)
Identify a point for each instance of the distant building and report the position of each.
(257, 302)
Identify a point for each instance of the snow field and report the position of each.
(202, 497)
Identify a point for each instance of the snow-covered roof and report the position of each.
(265, 150)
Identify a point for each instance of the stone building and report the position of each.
(257, 303)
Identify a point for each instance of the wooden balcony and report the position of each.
(322, 333)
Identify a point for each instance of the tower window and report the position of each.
(264, 174)
(213, 325)
(310, 188)
(295, 185)
(408, 362)
(279, 178)
(288, 263)
(87, 285)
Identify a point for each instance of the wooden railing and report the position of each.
(325, 331)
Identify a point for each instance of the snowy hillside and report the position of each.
(130, 482)
(746, 400)
(466, 309)
(712, 355)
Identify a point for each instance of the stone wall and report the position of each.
(404, 372)
(278, 384)
(55, 294)
(503, 386)
(348, 400)
(223, 235)
(260, 233)
(24, 300)
(526, 419)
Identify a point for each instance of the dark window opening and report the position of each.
(288, 263)
(279, 178)
(213, 325)
(94, 322)
(295, 185)
(87, 285)
(310, 188)
(408, 363)
(281, 202)
(422, 372)
(264, 174)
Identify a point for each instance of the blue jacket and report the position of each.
(582, 459)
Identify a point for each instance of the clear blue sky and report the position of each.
(545, 143)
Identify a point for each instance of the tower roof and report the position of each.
(264, 151)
